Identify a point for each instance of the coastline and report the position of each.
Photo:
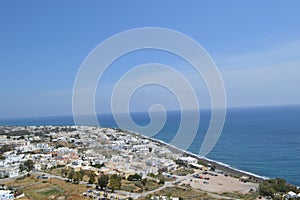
(217, 177)
(277, 125)
(219, 165)
(97, 145)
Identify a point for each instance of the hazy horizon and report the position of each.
(146, 111)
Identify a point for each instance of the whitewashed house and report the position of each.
(9, 171)
(6, 195)
(188, 160)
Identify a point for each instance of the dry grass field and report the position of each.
(36, 189)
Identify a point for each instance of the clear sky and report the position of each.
(255, 44)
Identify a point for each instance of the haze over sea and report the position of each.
(261, 140)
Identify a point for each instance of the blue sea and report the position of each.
(261, 140)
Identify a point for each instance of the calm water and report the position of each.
(264, 141)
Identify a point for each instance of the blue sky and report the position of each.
(255, 44)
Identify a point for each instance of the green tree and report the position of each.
(29, 165)
(81, 174)
(77, 177)
(71, 175)
(64, 172)
(91, 178)
(144, 181)
(134, 177)
(266, 190)
(5, 148)
(162, 181)
(103, 181)
(115, 182)
(21, 168)
(280, 185)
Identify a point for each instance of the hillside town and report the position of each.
(105, 163)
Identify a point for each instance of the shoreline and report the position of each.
(231, 171)
(219, 165)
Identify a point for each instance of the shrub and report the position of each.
(271, 186)
(134, 177)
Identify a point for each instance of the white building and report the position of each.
(188, 160)
(9, 171)
(42, 146)
(164, 198)
(5, 195)
(38, 166)
(291, 195)
(26, 148)
(169, 165)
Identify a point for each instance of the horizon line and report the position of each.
(109, 113)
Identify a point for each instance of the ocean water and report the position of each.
(262, 140)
